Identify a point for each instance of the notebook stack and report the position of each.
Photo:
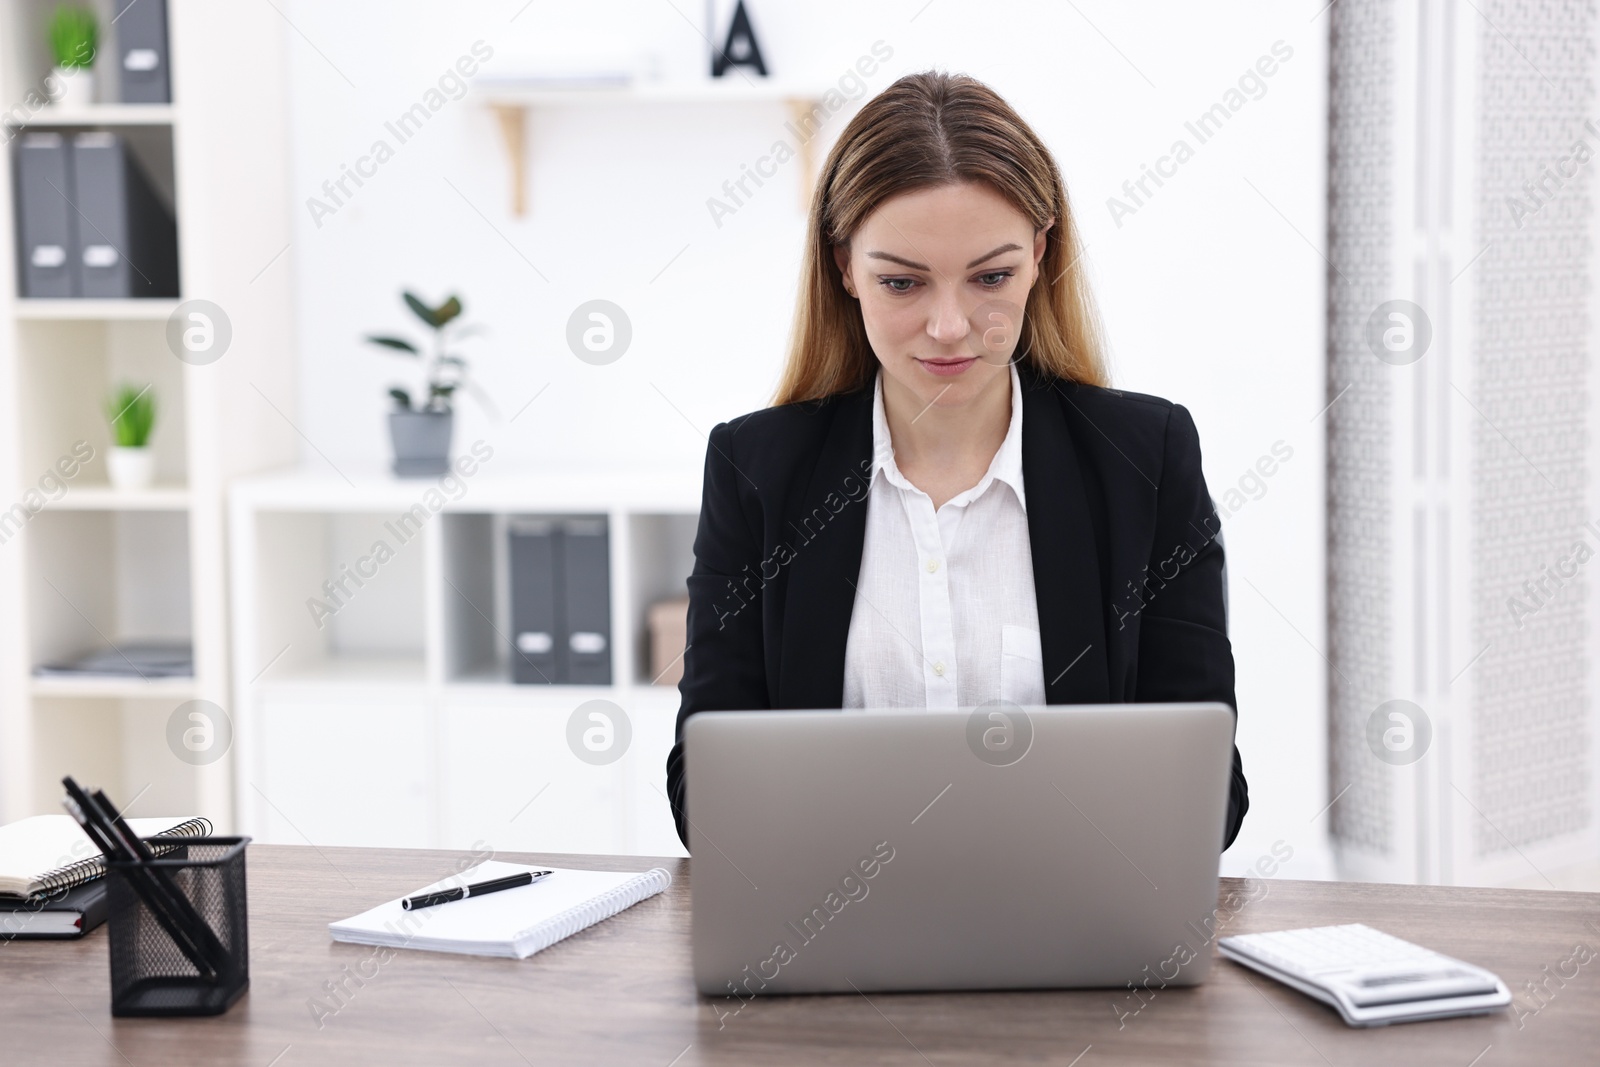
(51, 875)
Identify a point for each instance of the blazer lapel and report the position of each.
(826, 533)
(1066, 566)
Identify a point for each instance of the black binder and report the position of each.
(127, 239)
(587, 570)
(46, 250)
(141, 28)
(535, 618)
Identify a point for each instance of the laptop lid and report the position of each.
(987, 848)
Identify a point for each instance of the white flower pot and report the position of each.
(131, 468)
(72, 87)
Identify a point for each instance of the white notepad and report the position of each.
(44, 853)
(514, 923)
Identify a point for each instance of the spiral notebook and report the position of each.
(46, 853)
(515, 923)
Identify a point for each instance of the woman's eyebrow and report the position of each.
(914, 265)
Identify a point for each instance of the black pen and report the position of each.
(444, 896)
(142, 879)
(181, 907)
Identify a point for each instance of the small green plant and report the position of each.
(446, 371)
(132, 414)
(74, 36)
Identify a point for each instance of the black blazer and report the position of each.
(1126, 561)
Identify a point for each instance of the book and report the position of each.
(142, 659)
(66, 913)
(513, 924)
(47, 853)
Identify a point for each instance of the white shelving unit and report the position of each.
(93, 310)
(394, 721)
(93, 564)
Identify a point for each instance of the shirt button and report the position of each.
(933, 565)
(938, 668)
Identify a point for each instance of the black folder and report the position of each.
(535, 615)
(141, 28)
(587, 570)
(127, 239)
(46, 235)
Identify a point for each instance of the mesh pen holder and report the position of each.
(150, 973)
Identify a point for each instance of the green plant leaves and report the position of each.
(446, 370)
(74, 36)
(423, 311)
(434, 317)
(131, 412)
(397, 343)
(447, 311)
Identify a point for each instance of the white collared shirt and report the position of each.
(945, 613)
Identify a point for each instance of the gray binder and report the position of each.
(535, 599)
(586, 570)
(141, 29)
(127, 239)
(46, 255)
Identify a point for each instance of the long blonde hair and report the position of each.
(926, 130)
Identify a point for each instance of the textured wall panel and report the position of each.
(1360, 631)
(1531, 709)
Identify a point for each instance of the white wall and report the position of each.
(1212, 292)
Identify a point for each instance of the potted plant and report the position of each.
(420, 431)
(132, 414)
(74, 39)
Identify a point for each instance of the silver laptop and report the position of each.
(996, 847)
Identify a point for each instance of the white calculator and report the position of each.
(1372, 978)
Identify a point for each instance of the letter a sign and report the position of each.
(740, 49)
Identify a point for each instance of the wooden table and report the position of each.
(621, 991)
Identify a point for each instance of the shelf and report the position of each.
(105, 498)
(496, 679)
(113, 687)
(69, 309)
(354, 672)
(328, 610)
(72, 365)
(94, 564)
(485, 679)
(370, 488)
(511, 101)
(731, 89)
(103, 576)
(98, 115)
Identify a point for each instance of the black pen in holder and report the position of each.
(150, 973)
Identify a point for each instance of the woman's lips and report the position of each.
(946, 370)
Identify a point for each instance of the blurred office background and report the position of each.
(1256, 183)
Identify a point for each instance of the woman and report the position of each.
(946, 503)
